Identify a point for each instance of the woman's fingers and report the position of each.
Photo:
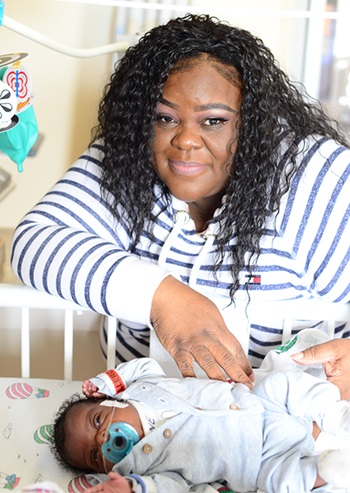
(191, 328)
(335, 358)
(334, 350)
(213, 359)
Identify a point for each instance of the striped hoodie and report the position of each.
(71, 246)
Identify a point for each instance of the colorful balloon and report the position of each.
(8, 481)
(78, 484)
(22, 390)
(44, 434)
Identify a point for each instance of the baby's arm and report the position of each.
(115, 484)
(134, 483)
(114, 381)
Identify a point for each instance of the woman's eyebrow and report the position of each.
(215, 106)
(168, 103)
(202, 107)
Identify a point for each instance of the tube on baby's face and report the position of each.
(119, 438)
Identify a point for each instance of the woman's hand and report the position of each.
(115, 484)
(335, 358)
(191, 328)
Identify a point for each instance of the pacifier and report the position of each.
(120, 439)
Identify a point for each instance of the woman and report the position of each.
(210, 179)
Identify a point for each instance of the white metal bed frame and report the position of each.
(25, 299)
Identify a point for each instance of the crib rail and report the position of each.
(300, 309)
(25, 299)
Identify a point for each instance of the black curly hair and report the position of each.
(272, 108)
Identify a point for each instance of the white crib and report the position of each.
(28, 405)
(23, 415)
(25, 299)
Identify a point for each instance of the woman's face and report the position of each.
(196, 131)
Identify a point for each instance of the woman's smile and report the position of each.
(187, 168)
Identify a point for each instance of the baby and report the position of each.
(157, 434)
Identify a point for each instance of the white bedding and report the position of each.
(27, 407)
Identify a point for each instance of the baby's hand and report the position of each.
(115, 484)
(90, 390)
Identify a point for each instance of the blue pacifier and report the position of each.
(122, 438)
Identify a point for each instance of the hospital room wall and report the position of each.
(66, 91)
(66, 95)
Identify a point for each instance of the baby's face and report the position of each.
(86, 430)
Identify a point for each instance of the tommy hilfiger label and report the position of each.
(253, 279)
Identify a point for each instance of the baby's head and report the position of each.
(81, 428)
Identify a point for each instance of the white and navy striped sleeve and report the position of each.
(69, 245)
(315, 221)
